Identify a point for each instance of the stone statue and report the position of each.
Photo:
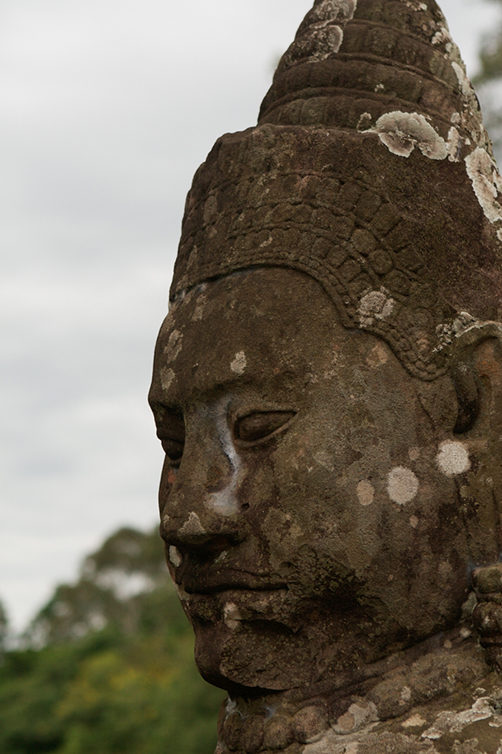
(328, 392)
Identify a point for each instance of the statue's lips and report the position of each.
(219, 582)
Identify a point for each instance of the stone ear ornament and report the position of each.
(487, 615)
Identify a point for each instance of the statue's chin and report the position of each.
(252, 656)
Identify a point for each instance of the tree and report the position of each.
(108, 665)
(4, 628)
(488, 83)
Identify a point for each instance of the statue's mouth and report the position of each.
(229, 581)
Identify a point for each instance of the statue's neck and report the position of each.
(346, 703)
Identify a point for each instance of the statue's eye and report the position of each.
(171, 433)
(261, 425)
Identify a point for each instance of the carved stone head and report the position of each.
(327, 384)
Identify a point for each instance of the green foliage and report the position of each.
(126, 684)
(3, 629)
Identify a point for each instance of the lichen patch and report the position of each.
(167, 377)
(174, 345)
(463, 81)
(402, 485)
(486, 182)
(402, 132)
(331, 11)
(378, 356)
(414, 454)
(324, 35)
(192, 525)
(415, 721)
(375, 305)
(239, 364)
(231, 616)
(451, 722)
(325, 460)
(455, 143)
(453, 458)
(365, 492)
(174, 556)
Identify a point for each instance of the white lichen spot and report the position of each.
(175, 556)
(415, 721)
(331, 743)
(455, 143)
(463, 81)
(486, 182)
(402, 485)
(375, 305)
(356, 717)
(174, 345)
(325, 460)
(192, 526)
(405, 695)
(402, 132)
(453, 458)
(239, 364)
(441, 37)
(365, 492)
(414, 454)
(365, 122)
(456, 118)
(455, 722)
(231, 616)
(167, 377)
(378, 356)
(499, 235)
(465, 633)
(333, 11)
(414, 522)
(324, 36)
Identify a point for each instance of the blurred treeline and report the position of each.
(488, 84)
(107, 666)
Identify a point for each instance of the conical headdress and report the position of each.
(369, 170)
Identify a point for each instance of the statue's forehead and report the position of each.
(268, 333)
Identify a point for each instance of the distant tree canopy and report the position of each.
(3, 629)
(488, 82)
(108, 665)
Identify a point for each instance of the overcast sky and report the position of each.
(106, 109)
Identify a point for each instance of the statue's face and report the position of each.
(307, 500)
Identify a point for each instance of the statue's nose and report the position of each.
(200, 509)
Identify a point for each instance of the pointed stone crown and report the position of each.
(369, 170)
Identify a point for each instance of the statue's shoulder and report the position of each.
(469, 722)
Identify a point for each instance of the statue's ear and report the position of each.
(477, 375)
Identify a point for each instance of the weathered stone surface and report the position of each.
(328, 392)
